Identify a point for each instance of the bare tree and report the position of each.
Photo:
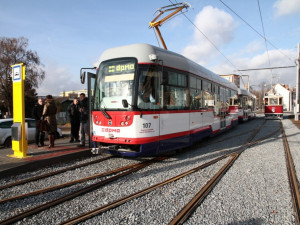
(260, 93)
(14, 51)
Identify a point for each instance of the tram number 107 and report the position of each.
(146, 125)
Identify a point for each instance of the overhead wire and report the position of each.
(255, 30)
(207, 38)
(263, 28)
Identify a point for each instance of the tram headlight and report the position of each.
(126, 123)
(122, 123)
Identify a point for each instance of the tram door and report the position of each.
(91, 78)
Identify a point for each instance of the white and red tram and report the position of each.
(273, 106)
(244, 105)
(148, 101)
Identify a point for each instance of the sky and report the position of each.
(72, 34)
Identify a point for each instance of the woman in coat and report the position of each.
(49, 113)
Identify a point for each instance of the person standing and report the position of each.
(74, 115)
(84, 116)
(49, 113)
(37, 115)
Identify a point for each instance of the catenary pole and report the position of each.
(297, 102)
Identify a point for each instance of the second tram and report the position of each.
(273, 106)
(244, 105)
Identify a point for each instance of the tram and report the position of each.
(244, 105)
(148, 100)
(273, 106)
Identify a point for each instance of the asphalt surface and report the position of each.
(40, 156)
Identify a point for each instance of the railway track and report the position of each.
(293, 181)
(130, 169)
(35, 178)
(181, 217)
(56, 187)
(230, 156)
(186, 212)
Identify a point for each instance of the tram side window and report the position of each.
(196, 99)
(234, 98)
(266, 101)
(223, 97)
(208, 97)
(193, 82)
(176, 93)
(250, 103)
(228, 95)
(199, 84)
(217, 100)
(149, 89)
(195, 93)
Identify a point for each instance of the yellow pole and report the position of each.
(19, 141)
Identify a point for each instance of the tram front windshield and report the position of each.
(115, 81)
(273, 101)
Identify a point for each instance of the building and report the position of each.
(73, 94)
(287, 95)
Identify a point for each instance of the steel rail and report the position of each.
(119, 202)
(189, 208)
(24, 181)
(231, 137)
(200, 196)
(294, 185)
(75, 194)
(52, 188)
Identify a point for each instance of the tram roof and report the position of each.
(170, 59)
(245, 92)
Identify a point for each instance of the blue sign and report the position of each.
(17, 73)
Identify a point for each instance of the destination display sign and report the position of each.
(121, 68)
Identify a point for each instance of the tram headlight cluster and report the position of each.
(97, 121)
(125, 123)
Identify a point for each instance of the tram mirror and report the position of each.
(124, 103)
(82, 77)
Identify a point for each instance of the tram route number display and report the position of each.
(146, 128)
(146, 125)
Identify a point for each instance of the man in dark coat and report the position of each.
(74, 115)
(84, 116)
(49, 113)
(37, 115)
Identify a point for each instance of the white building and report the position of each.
(284, 91)
(73, 94)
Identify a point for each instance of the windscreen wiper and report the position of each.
(107, 116)
(105, 113)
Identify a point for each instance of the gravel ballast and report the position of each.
(254, 190)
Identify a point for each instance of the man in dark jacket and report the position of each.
(84, 116)
(37, 115)
(74, 115)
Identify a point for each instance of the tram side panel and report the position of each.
(174, 130)
(139, 136)
(273, 111)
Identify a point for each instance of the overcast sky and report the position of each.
(71, 34)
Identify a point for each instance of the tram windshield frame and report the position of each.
(115, 83)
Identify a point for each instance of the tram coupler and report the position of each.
(97, 151)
